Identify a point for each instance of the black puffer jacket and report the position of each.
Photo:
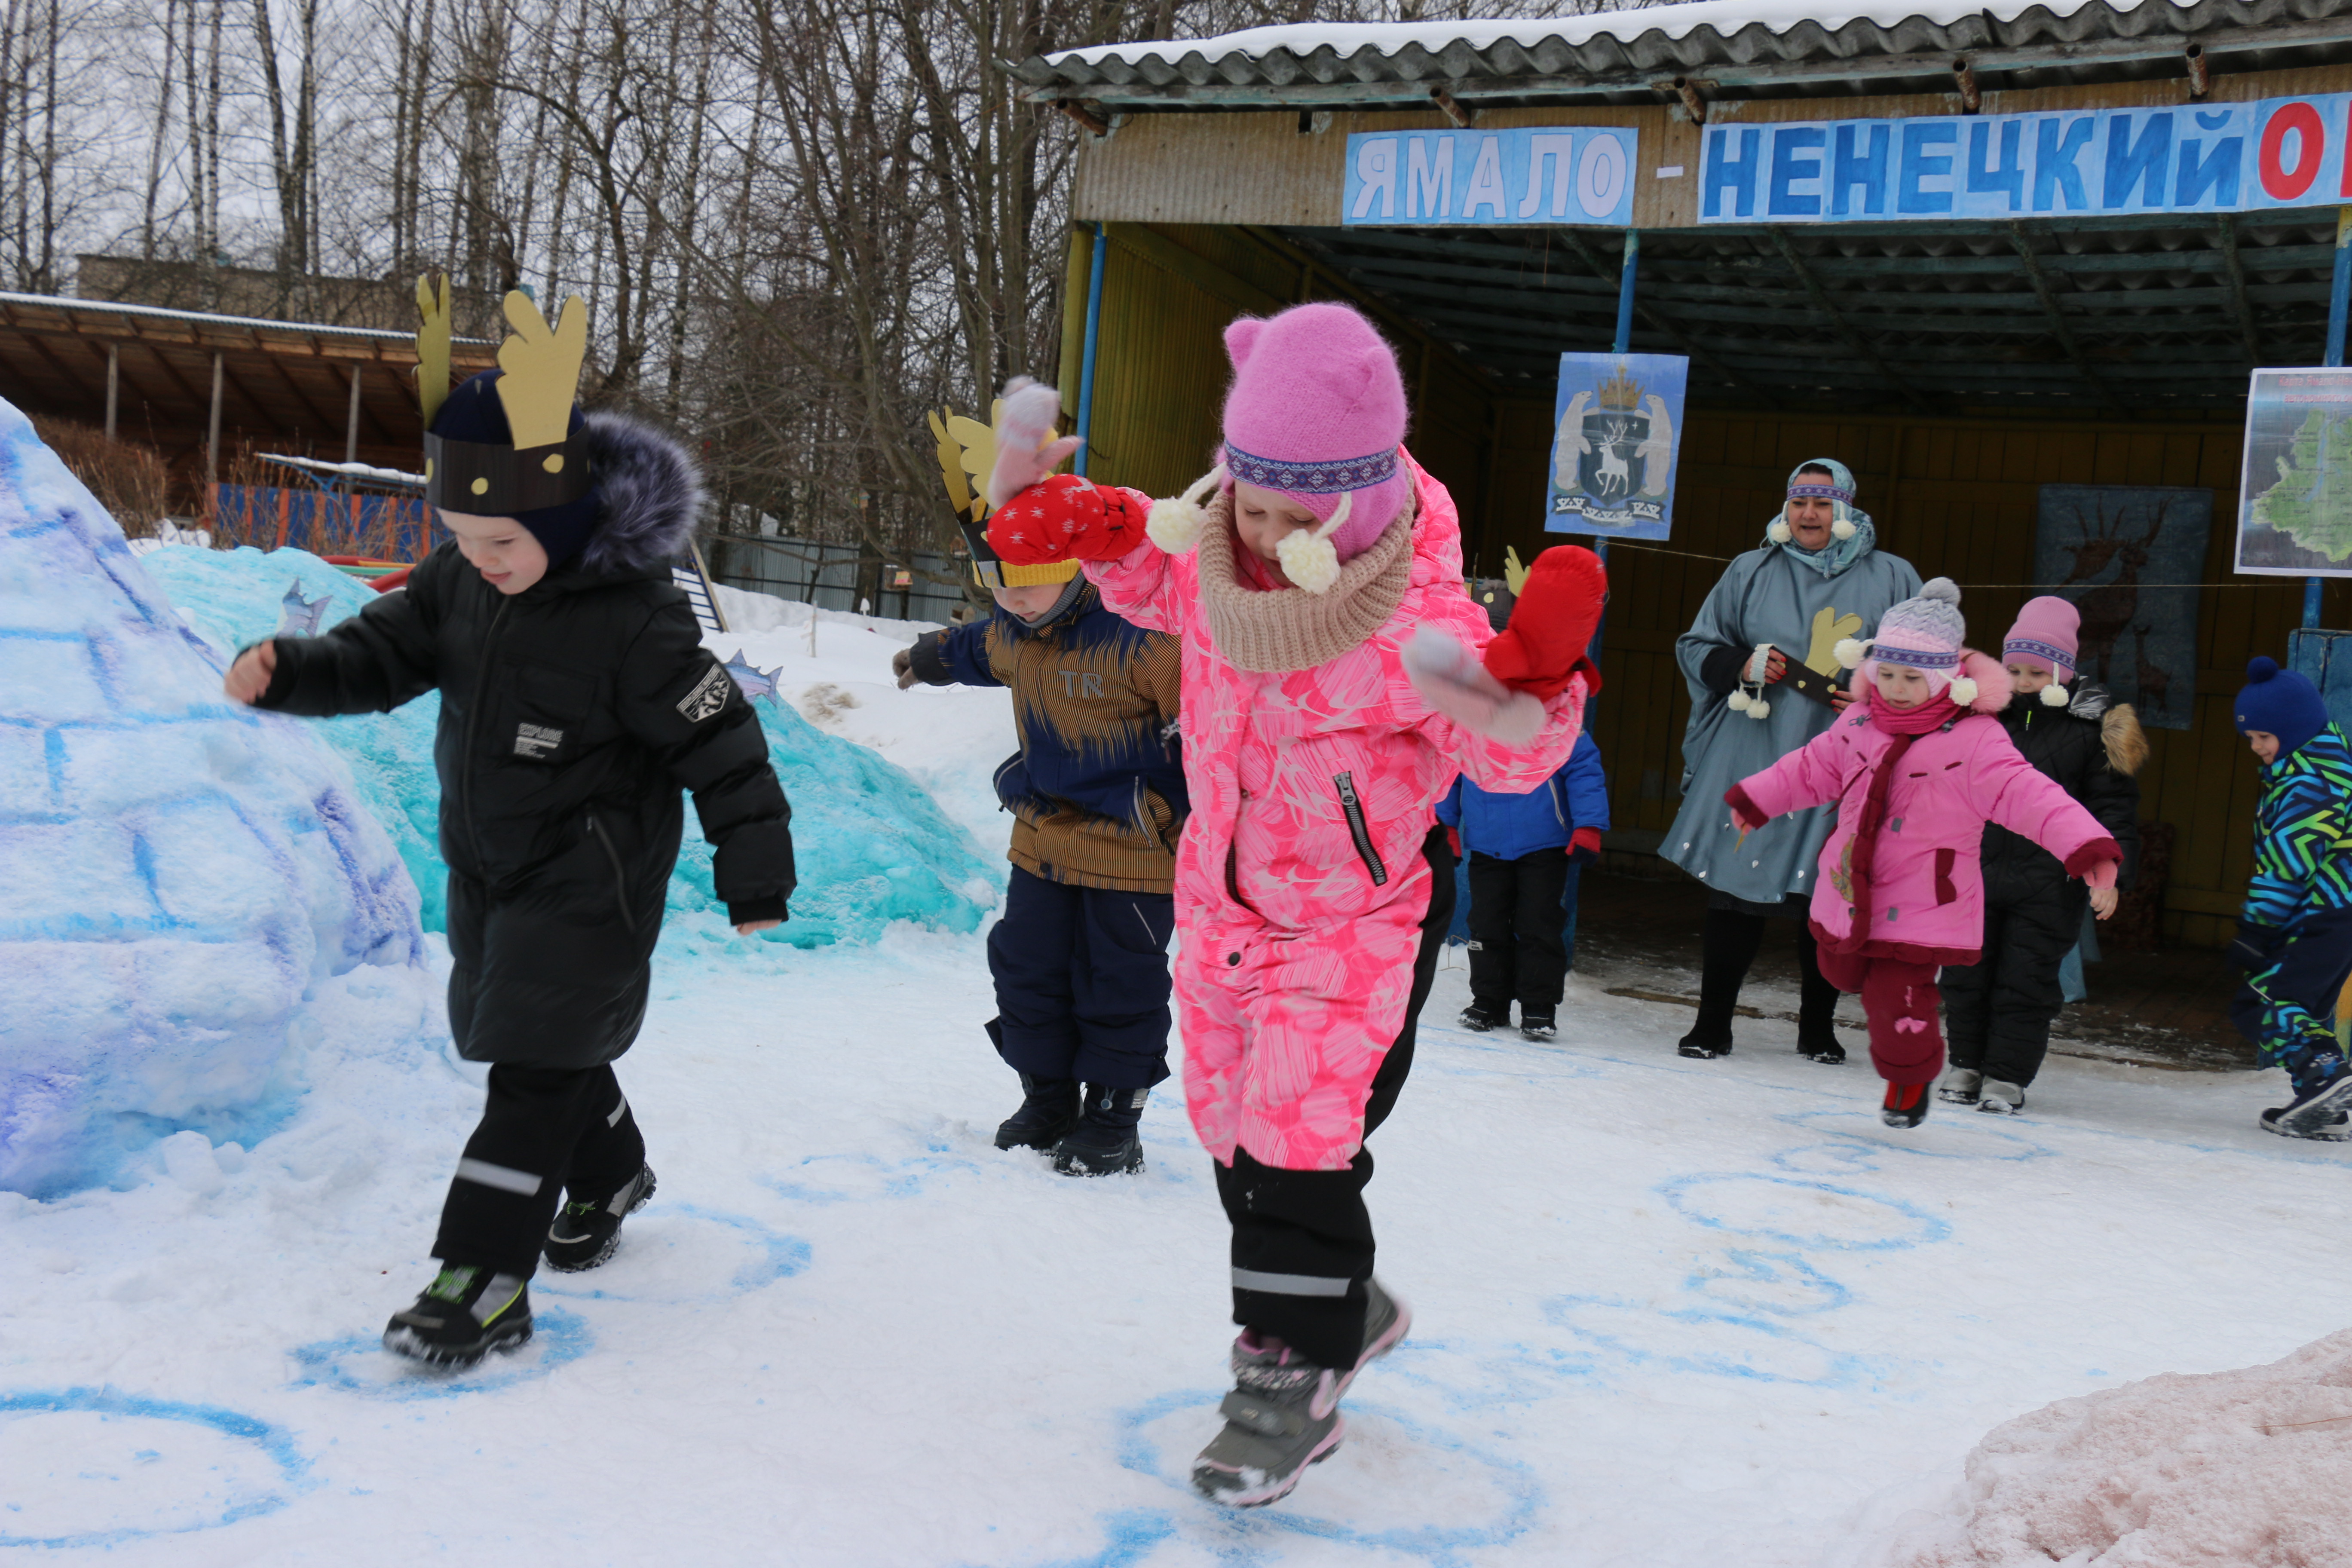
(571, 714)
(2092, 747)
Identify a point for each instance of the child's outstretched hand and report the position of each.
(1557, 609)
(2104, 901)
(1066, 518)
(251, 676)
(1025, 448)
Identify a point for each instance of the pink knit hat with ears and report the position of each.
(2047, 632)
(1316, 414)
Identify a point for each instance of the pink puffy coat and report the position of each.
(1295, 957)
(1923, 899)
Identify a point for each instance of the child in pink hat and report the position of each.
(1917, 765)
(1999, 1011)
(1336, 678)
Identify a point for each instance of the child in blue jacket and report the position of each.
(1524, 850)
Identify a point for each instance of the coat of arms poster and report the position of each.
(1617, 418)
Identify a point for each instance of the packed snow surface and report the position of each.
(183, 884)
(1667, 1312)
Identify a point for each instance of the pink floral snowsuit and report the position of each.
(1300, 881)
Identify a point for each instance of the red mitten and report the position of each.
(1584, 846)
(1550, 625)
(1454, 841)
(1066, 518)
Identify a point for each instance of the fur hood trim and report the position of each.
(650, 491)
(2126, 741)
(1993, 685)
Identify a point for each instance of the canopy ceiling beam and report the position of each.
(2065, 334)
(2240, 308)
(1691, 348)
(1853, 340)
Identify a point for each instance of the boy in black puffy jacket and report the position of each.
(1998, 1012)
(576, 700)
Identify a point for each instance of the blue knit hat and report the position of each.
(474, 412)
(2280, 702)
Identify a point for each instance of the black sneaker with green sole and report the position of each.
(465, 1314)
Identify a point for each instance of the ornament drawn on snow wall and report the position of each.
(2130, 557)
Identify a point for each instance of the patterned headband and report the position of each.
(1915, 658)
(2041, 650)
(1833, 492)
(1310, 479)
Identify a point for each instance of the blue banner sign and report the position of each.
(2196, 158)
(1532, 175)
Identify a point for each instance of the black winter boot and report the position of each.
(586, 1234)
(1105, 1142)
(1048, 1112)
(465, 1314)
(1479, 1018)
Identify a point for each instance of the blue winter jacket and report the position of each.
(1509, 826)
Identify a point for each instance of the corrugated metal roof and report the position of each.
(1740, 48)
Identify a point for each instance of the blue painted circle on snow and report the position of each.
(1802, 1214)
(1969, 1137)
(362, 1365)
(1232, 1534)
(1708, 1341)
(214, 1501)
(773, 1255)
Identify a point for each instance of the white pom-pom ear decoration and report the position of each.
(1175, 524)
(1842, 529)
(1310, 561)
(1850, 653)
(1737, 701)
(1758, 708)
(1963, 690)
(2054, 696)
(1779, 532)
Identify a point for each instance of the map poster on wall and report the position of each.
(2130, 558)
(2295, 498)
(1617, 420)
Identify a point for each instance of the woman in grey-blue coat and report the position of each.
(1764, 679)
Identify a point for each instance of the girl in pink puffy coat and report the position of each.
(1917, 767)
(1312, 891)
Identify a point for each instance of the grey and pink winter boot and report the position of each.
(1284, 1412)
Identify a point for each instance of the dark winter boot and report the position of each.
(1905, 1104)
(1704, 1043)
(1284, 1412)
(465, 1314)
(1105, 1141)
(1047, 1113)
(2320, 1109)
(1538, 1025)
(585, 1235)
(1820, 1045)
(1962, 1086)
(1478, 1018)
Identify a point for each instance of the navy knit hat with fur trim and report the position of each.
(475, 413)
(2280, 702)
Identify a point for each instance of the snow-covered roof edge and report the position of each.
(205, 317)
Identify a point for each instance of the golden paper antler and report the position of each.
(1514, 576)
(542, 367)
(967, 451)
(432, 343)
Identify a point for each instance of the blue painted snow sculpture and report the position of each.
(176, 873)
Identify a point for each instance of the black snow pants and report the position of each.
(1728, 942)
(1518, 932)
(1082, 982)
(1998, 1010)
(545, 1131)
(1303, 1239)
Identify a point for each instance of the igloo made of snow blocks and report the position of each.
(177, 873)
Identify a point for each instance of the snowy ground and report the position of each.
(1669, 1313)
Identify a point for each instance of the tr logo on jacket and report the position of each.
(1098, 787)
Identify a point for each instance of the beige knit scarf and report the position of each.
(1289, 628)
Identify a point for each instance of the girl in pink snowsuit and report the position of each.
(1312, 889)
(1917, 767)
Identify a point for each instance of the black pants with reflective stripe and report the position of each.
(545, 1130)
(1518, 932)
(1308, 1232)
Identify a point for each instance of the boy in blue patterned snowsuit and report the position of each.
(2294, 940)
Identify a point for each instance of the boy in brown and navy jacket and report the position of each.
(1096, 791)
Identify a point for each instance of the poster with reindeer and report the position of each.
(2294, 504)
(1616, 420)
(2130, 557)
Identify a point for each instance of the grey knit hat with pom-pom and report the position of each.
(1925, 634)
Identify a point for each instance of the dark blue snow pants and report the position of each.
(2288, 1006)
(1082, 982)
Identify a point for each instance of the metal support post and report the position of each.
(114, 386)
(351, 424)
(212, 443)
(1086, 359)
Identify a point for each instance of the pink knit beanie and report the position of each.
(1925, 634)
(1317, 413)
(2047, 632)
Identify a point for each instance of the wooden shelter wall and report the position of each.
(1956, 498)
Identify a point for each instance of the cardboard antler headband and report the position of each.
(539, 369)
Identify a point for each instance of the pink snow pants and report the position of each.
(1900, 999)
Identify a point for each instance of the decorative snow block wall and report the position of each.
(176, 873)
